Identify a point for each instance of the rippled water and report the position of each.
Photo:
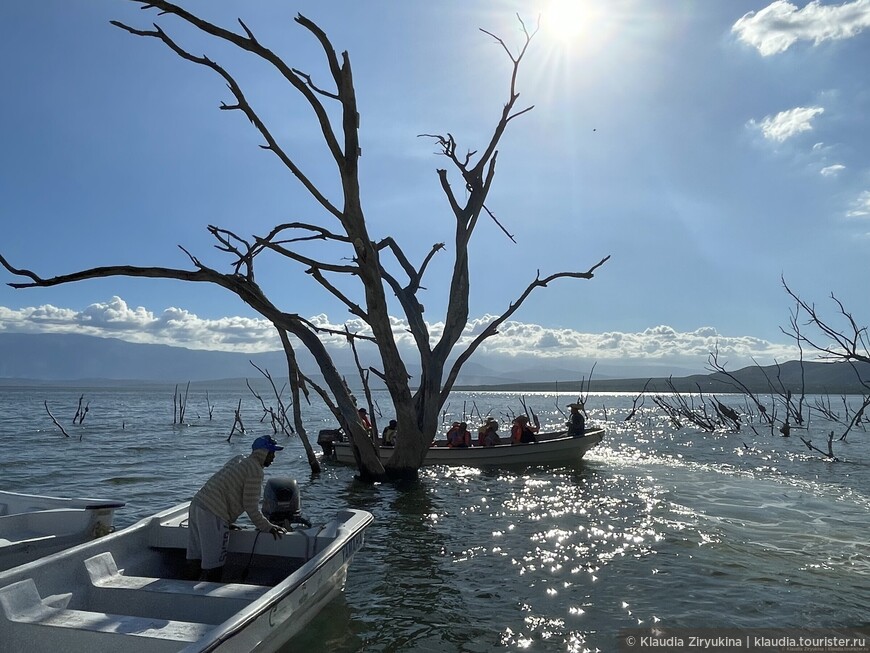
(655, 527)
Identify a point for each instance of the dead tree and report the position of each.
(681, 408)
(850, 418)
(847, 342)
(363, 259)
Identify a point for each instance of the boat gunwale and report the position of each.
(71, 503)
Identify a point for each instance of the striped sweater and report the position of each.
(235, 489)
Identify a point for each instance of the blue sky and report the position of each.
(710, 148)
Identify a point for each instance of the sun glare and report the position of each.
(580, 25)
(565, 20)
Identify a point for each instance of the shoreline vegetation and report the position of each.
(809, 377)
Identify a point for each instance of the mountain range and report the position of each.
(70, 358)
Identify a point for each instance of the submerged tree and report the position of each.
(334, 105)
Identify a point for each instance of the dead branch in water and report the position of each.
(179, 405)
(634, 406)
(237, 422)
(829, 453)
(210, 406)
(278, 418)
(56, 423)
(81, 413)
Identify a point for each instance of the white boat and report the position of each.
(551, 449)
(32, 526)
(125, 591)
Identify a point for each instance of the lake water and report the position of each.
(657, 527)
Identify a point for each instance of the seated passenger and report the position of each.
(487, 434)
(449, 435)
(388, 437)
(458, 437)
(577, 423)
(364, 418)
(522, 432)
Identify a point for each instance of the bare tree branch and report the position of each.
(492, 328)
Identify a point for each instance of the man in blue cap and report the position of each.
(234, 489)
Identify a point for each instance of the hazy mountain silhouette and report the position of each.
(67, 358)
(47, 357)
(812, 378)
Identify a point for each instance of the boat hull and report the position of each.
(126, 591)
(554, 449)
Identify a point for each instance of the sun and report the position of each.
(566, 20)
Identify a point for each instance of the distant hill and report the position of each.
(69, 358)
(814, 378)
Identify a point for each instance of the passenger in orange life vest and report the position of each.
(522, 432)
(364, 418)
(459, 437)
(449, 435)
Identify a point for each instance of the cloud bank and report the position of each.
(781, 24)
(515, 342)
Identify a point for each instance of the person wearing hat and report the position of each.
(364, 418)
(487, 434)
(232, 490)
(577, 422)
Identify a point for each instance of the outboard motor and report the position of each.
(282, 504)
(326, 438)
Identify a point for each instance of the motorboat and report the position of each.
(556, 448)
(33, 525)
(127, 591)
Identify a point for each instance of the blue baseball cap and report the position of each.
(266, 442)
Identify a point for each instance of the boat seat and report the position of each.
(81, 630)
(170, 598)
(103, 572)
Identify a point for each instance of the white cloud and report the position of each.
(781, 24)
(861, 206)
(175, 326)
(832, 170)
(515, 340)
(788, 123)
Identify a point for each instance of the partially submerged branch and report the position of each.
(56, 423)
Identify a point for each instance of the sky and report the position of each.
(711, 149)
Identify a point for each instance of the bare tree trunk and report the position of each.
(294, 376)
